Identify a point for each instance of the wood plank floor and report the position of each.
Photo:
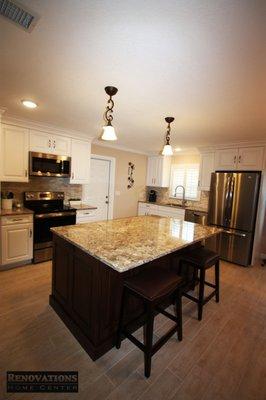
(222, 357)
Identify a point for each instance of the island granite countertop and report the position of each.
(127, 243)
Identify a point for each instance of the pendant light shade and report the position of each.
(109, 133)
(167, 150)
(108, 129)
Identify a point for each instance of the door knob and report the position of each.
(107, 202)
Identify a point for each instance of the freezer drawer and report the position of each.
(236, 246)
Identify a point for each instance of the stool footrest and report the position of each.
(167, 314)
(210, 284)
(163, 339)
(209, 297)
(134, 340)
(191, 297)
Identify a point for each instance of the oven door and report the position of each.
(42, 164)
(44, 222)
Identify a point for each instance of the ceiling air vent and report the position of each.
(17, 14)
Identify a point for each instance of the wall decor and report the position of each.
(131, 168)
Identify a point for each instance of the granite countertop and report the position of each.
(193, 208)
(126, 243)
(15, 211)
(84, 207)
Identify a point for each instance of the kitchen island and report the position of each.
(91, 261)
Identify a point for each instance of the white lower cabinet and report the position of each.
(162, 211)
(84, 216)
(16, 239)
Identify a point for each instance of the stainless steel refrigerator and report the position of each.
(233, 207)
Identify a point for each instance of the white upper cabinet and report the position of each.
(243, 158)
(250, 158)
(207, 166)
(43, 142)
(14, 154)
(158, 171)
(80, 161)
(226, 159)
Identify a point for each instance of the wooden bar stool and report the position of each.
(153, 288)
(202, 259)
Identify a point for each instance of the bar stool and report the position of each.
(153, 288)
(202, 259)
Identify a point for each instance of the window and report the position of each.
(186, 175)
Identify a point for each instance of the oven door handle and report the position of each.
(55, 214)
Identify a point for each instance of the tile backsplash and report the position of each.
(163, 197)
(42, 184)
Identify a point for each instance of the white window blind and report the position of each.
(186, 175)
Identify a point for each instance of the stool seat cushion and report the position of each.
(201, 257)
(153, 284)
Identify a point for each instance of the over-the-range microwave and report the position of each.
(42, 164)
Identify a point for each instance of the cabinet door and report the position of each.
(206, 169)
(14, 154)
(250, 158)
(17, 243)
(142, 209)
(151, 168)
(40, 142)
(226, 159)
(80, 161)
(61, 145)
(158, 171)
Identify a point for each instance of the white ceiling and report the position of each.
(201, 61)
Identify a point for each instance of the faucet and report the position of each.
(184, 202)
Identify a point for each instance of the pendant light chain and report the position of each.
(167, 137)
(109, 110)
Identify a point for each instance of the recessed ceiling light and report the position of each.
(178, 149)
(29, 103)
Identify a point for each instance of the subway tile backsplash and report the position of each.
(42, 184)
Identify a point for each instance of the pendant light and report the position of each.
(108, 129)
(167, 150)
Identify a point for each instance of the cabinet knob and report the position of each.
(234, 159)
(239, 159)
(54, 144)
(49, 142)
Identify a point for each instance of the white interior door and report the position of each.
(97, 192)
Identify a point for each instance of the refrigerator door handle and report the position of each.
(235, 233)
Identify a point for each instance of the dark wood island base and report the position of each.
(91, 262)
(86, 295)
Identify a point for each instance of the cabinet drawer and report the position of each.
(17, 219)
(85, 213)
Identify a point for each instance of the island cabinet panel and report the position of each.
(86, 294)
(62, 270)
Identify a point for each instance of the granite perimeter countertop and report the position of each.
(15, 211)
(129, 242)
(172, 205)
(84, 207)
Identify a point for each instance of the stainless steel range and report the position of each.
(49, 211)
